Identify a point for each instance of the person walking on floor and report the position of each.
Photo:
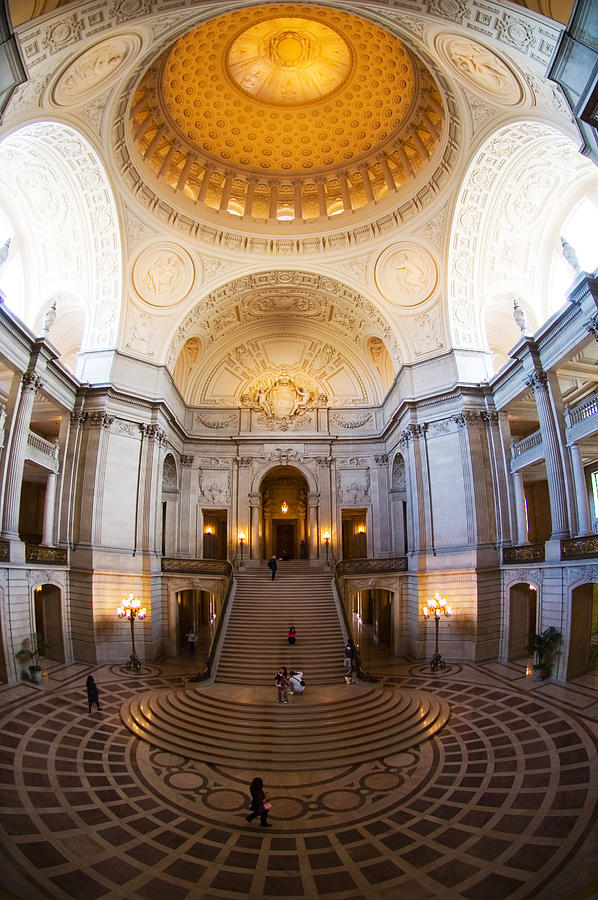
(191, 641)
(259, 804)
(93, 694)
(272, 565)
(349, 662)
(282, 685)
(292, 636)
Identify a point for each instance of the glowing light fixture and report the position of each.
(131, 609)
(326, 539)
(284, 507)
(436, 607)
(241, 537)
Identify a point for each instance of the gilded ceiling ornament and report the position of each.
(281, 398)
(406, 274)
(289, 60)
(91, 72)
(163, 274)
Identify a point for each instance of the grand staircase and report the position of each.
(236, 720)
(255, 643)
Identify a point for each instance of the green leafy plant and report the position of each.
(38, 646)
(545, 645)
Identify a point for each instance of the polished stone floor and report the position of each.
(501, 803)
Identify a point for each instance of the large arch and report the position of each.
(514, 195)
(59, 203)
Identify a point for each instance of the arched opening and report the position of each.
(285, 527)
(354, 533)
(583, 637)
(523, 611)
(48, 619)
(197, 615)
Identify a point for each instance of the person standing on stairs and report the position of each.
(292, 636)
(282, 685)
(259, 804)
(272, 565)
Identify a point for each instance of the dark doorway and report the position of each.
(285, 540)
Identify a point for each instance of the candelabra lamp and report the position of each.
(131, 609)
(241, 537)
(438, 608)
(326, 538)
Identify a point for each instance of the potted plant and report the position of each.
(544, 646)
(38, 645)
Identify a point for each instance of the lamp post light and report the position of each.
(437, 607)
(326, 539)
(241, 537)
(131, 610)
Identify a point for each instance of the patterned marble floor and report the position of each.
(502, 803)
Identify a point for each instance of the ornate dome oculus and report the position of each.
(289, 61)
(286, 112)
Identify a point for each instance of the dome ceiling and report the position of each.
(282, 113)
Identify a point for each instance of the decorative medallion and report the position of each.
(95, 68)
(406, 274)
(163, 274)
(479, 68)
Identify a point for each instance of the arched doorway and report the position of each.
(197, 612)
(522, 621)
(48, 619)
(583, 638)
(284, 493)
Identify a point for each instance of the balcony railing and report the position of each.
(197, 566)
(42, 451)
(371, 566)
(525, 553)
(53, 556)
(530, 442)
(580, 548)
(585, 410)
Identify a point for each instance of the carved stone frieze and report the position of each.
(353, 486)
(186, 461)
(216, 423)
(517, 576)
(213, 462)
(577, 575)
(351, 422)
(215, 487)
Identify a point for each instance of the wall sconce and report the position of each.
(361, 529)
(208, 530)
(131, 609)
(241, 537)
(437, 607)
(284, 507)
(326, 539)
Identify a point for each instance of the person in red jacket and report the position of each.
(292, 636)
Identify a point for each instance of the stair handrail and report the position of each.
(206, 673)
(336, 590)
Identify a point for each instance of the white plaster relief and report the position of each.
(96, 68)
(406, 274)
(163, 274)
(479, 69)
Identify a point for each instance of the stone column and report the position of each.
(268, 535)
(520, 508)
(313, 501)
(554, 463)
(581, 492)
(187, 521)
(255, 505)
(18, 452)
(49, 506)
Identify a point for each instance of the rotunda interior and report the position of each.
(313, 281)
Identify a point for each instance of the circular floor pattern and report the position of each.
(494, 806)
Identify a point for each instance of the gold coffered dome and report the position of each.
(290, 112)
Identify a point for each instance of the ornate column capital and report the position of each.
(187, 461)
